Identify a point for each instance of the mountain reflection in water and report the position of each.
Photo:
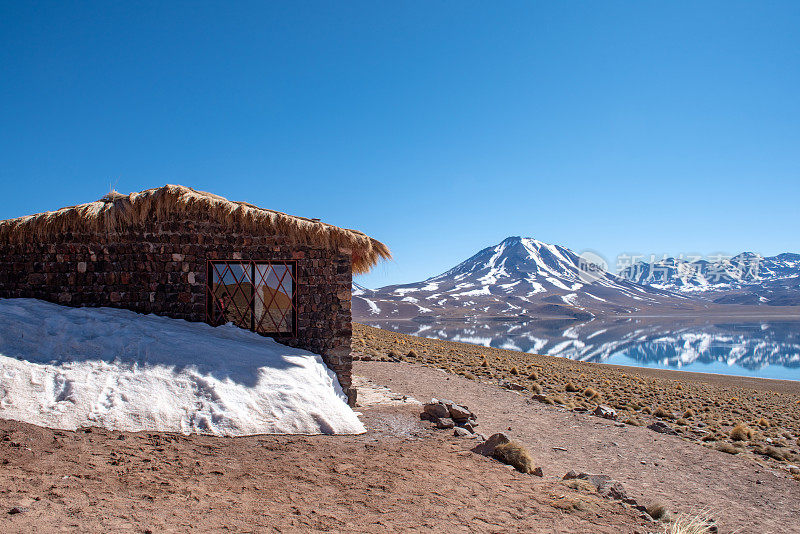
(761, 348)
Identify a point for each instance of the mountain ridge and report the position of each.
(524, 277)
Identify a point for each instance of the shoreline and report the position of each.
(702, 407)
(771, 384)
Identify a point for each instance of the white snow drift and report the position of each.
(69, 367)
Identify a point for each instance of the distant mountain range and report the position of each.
(525, 278)
(744, 279)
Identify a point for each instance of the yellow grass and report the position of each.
(516, 455)
(116, 212)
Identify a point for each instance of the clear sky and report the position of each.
(437, 127)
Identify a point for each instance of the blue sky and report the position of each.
(437, 127)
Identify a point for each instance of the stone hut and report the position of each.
(191, 255)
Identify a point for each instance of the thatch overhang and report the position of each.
(115, 212)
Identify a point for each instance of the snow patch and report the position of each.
(69, 367)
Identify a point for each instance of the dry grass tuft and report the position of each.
(776, 453)
(536, 388)
(117, 213)
(663, 414)
(686, 524)
(580, 485)
(412, 353)
(688, 414)
(590, 393)
(533, 376)
(724, 446)
(516, 455)
(741, 432)
(763, 423)
(514, 371)
(571, 388)
(656, 510)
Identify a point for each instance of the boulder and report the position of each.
(436, 410)
(597, 481)
(462, 432)
(511, 385)
(605, 485)
(459, 413)
(570, 475)
(538, 472)
(445, 423)
(662, 428)
(613, 490)
(606, 412)
(487, 447)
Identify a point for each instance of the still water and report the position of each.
(752, 347)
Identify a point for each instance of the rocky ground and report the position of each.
(414, 472)
(700, 407)
(400, 476)
(742, 486)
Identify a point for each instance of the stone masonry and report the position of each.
(161, 268)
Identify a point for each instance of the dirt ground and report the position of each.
(744, 494)
(701, 407)
(400, 476)
(405, 476)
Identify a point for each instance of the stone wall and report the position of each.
(161, 269)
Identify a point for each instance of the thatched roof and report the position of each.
(116, 212)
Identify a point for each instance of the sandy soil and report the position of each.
(400, 476)
(699, 406)
(742, 494)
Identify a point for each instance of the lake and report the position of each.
(748, 347)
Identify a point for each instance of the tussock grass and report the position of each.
(724, 446)
(580, 485)
(776, 453)
(590, 393)
(533, 376)
(663, 414)
(741, 432)
(516, 455)
(571, 388)
(688, 524)
(536, 388)
(657, 510)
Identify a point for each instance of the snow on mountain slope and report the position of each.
(743, 279)
(66, 367)
(519, 276)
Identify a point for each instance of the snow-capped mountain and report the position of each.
(517, 277)
(743, 279)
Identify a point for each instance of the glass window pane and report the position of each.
(232, 291)
(274, 298)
